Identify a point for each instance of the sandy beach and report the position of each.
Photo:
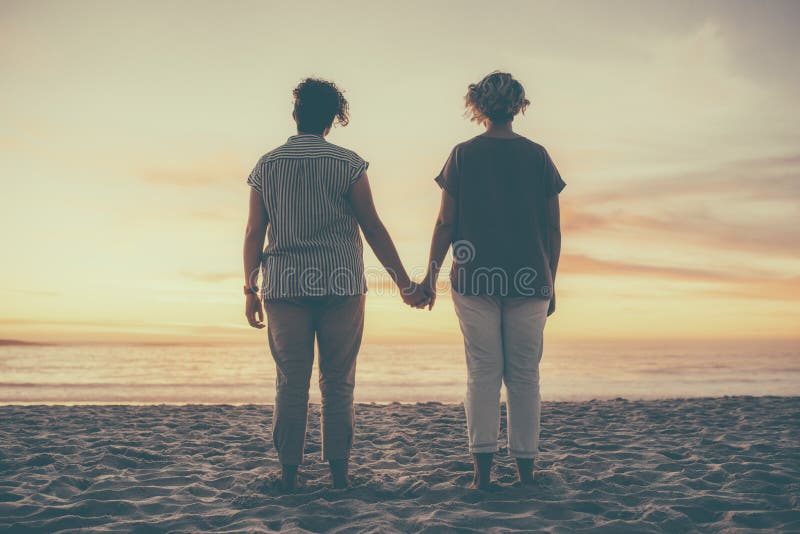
(701, 464)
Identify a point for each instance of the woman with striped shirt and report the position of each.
(310, 198)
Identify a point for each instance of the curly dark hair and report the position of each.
(498, 97)
(317, 103)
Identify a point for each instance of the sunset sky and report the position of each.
(128, 129)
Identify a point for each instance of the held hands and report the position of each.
(415, 296)
(420, 295)
(429, 285)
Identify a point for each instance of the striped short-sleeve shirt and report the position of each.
(313, 240)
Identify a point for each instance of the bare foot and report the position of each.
(525, 471)
(526, 480)
(289, 481)
(481, 485)
(339, 473)
(482, 479)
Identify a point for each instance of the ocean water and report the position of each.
(154, 374)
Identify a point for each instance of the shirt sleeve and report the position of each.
(357, 167)
(448, 179)
(552, 178)
(256, 179)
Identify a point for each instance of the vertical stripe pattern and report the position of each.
(313, 240)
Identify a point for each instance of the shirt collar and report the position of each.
(307, 136)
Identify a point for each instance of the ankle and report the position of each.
(289, 476)
(525, 469)
(483, 468)
(339, 473)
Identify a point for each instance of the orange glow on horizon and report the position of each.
(124, 161)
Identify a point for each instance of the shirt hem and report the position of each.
(294, 295)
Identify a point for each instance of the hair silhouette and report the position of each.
(317, 103)
(498, 97)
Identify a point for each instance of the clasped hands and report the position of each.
(420, 295)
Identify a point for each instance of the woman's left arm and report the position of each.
(443, 235)
(554, 229)
(253, 249)
(554, 238)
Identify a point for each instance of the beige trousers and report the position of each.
(503, 341)
(337, 323)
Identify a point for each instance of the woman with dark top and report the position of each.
(499, 211)
(310, 198)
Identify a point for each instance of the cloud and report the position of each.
(211, 277)
(17, 343)
(189, 178)
(682, 228)
(744, 205)
(209, 215)
(787, 289)
(223, 170)
(575, 219)
(35, 292)
(586, 265)
(773, 177)
(744, 284)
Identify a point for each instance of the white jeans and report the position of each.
(503, 343)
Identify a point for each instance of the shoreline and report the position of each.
(388, 403)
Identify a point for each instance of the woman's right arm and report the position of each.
(443, 235)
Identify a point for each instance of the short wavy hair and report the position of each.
(498, 97)
(317, 104)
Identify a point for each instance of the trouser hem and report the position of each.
(483, 449)
(290, 461)
(527, 455)
(329, 457)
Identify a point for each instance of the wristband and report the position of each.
(251, 290)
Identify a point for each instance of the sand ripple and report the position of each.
(710, 465)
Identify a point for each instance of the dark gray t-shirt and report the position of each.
(502, 188)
